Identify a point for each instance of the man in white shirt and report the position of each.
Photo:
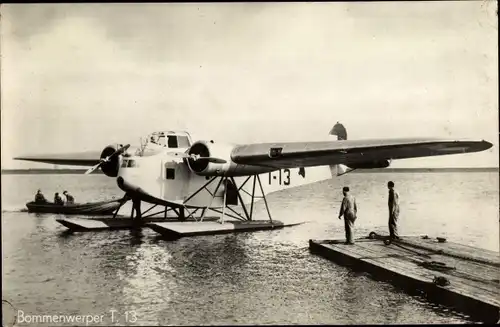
(349, 210)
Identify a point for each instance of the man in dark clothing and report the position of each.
(393, 211)
(349, 210)
(58, 199)
(39, 197)
(69, 198)
(136, 206)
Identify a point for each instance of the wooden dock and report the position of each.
(459, 276)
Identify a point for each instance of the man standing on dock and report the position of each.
(349, 210)
(393, 211)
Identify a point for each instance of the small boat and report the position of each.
(90, 208)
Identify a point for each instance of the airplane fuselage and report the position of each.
(166, 177)
(157, 173)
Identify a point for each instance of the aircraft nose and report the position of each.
(120, 181)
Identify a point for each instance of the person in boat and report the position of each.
(39, 197)
(69, 198)
(58, 199)
(349, 210)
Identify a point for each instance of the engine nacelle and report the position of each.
(371, 164)
(110, 168)
(209, 149)
(223, 151)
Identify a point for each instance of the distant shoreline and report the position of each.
(38, 171)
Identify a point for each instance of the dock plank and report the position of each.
(477, 277)
(408, 264)
(474, 286)
(455, 250)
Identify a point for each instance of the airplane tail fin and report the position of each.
(341, 132)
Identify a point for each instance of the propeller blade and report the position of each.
(214, 160)
(121, 150)
(89, 171)
(103, 160)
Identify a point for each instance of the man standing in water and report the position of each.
(393, 211)
(349, 210)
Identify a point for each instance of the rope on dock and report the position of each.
(441, 266)
(388, 241)
(441, 281)
(436, 265)
(451, 254)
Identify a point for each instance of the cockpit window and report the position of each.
(129, 163)
(183, 141)
(161, 140)
(172, 141)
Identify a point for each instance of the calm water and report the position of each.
(251, 278)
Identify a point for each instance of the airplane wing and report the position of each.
(304, 154)
(89, 158)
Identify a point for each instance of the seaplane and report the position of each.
(191, 178)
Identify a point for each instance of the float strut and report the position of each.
(212, 199)
(265, 201)
(224, 202)
(136, 206)
(241, 200)
(122, 202)
(253, 196)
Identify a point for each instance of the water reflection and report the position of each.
(248, 278)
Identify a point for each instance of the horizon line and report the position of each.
(374, 170)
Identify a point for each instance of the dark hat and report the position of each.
(390, 184)
(345, 189)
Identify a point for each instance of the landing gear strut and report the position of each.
(231, 196)
(123, 200)
(136, 206)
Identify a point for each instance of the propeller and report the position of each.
(108, 158)
(196, 157)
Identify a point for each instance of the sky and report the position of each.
(76, 77)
